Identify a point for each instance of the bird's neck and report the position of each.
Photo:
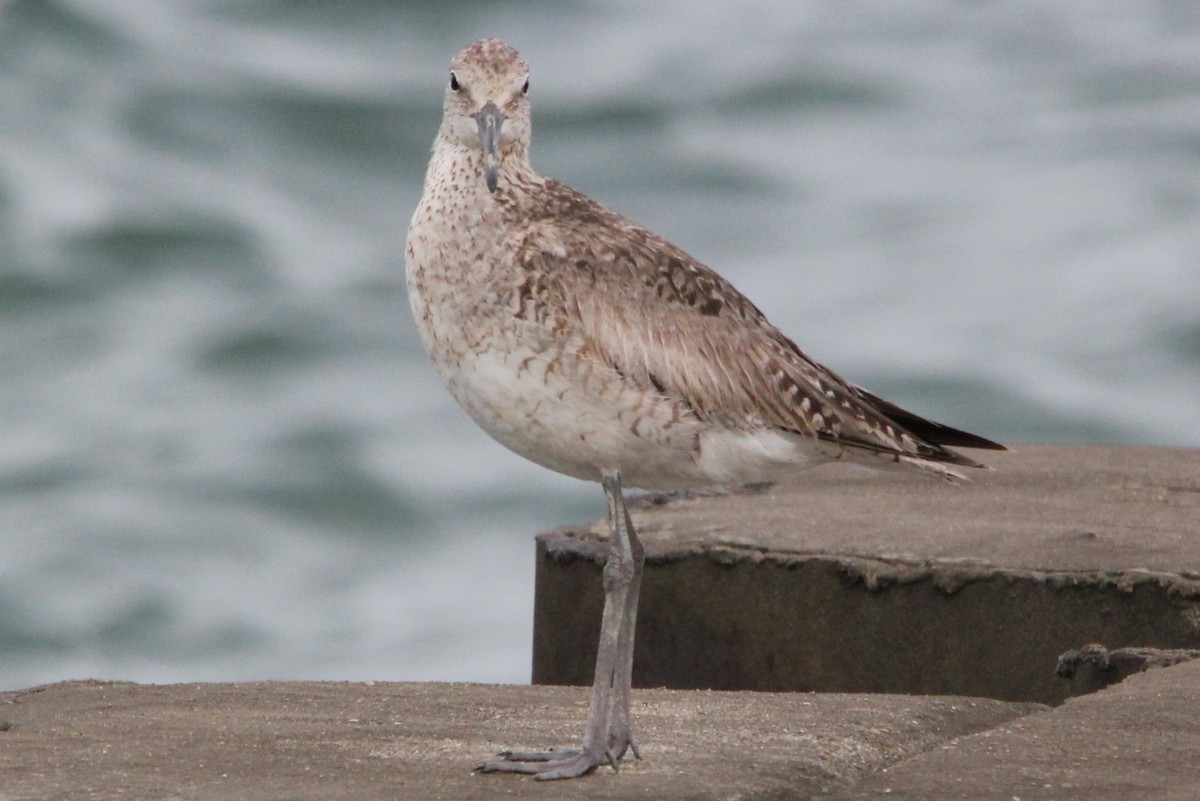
(458, 169)
(457, 206)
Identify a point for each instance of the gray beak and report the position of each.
(490, 119)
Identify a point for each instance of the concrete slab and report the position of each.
(205, 742)
(1043, 508)
(1138, 739)
(887, 581)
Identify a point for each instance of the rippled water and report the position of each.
(224, 454)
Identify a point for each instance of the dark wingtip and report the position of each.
(928, 430)
(945, 435)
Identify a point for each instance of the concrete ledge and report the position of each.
(856, 581)
(321, 741)
(1139, 739)
(359, 742)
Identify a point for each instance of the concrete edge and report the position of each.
(568, 544)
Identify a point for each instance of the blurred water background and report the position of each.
(223, 454)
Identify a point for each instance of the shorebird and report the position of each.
(593, 347)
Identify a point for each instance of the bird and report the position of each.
(589, 345)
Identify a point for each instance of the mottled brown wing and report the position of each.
(671, 325)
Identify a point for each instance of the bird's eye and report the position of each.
(454, 84)
(525, 88)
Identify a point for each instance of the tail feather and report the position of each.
(940, 470)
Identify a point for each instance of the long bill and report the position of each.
(490, 118)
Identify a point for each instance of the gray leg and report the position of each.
(620, 735)
(606, 734)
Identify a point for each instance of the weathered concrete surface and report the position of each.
(1139, 739)
(324, 741)
(887, 581)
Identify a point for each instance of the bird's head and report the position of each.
(487, 103)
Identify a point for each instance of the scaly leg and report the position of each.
(620, 735)
(606, 734)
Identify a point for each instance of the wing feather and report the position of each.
(663, 320)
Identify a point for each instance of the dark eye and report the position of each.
(454, 84)
(525, 88)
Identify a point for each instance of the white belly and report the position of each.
(578, 424)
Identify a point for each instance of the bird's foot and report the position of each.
(565, 763)
(556, 763)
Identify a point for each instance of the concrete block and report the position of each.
(850, 580)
